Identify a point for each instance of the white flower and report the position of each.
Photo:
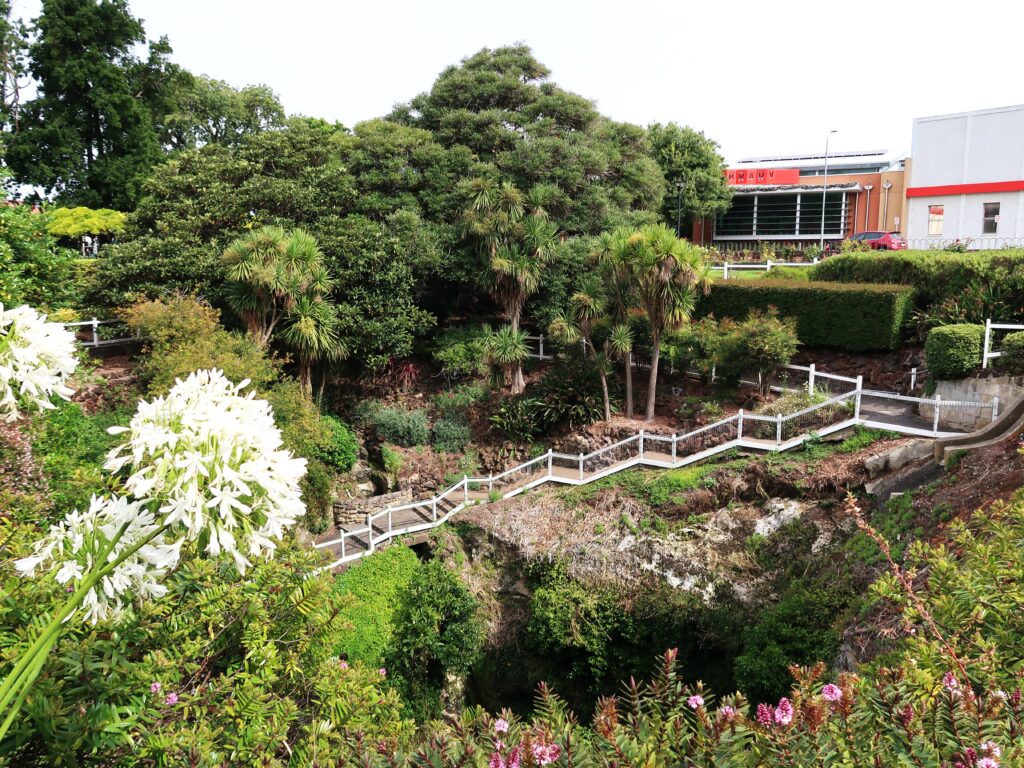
(213, 459)
(74, 548)
(36, 359)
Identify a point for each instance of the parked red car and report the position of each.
(882, 241)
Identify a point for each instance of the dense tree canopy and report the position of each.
(692, 165)
(208, 111)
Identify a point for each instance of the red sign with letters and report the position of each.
(762, 176)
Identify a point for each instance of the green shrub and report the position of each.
(341, 450)
(461, 352)
(454, 403)
(847, 316)
(954, 351)
(391, 459)
(373, 585)
(450, 435)
(318, 496)
(937, 275)
(569, 394)
(1012, 359)
(401, 427)
(516, 418)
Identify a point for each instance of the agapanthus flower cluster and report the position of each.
(212, 457)
(36, 359)
(83, 541)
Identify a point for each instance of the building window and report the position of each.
(990, 223)
(935, 214)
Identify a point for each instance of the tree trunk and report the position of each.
(629, 385)
(604, 395)
(306, 377)
(652, 382)
(518, 382)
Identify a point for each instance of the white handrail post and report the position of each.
(778, 429)
(490, 483)
(369, 533)
(856, 405)
(674, 438)
(995, 407)
(95, 332)
(913, 378)
(739, 427)
(815, 260)
(988, 344)
(641, 443)
(465, 489)
(433, 504)
(542, 346)
(769, 269)
(581, 466)
(343, 547)
(725, 276)
(935, 421)
(810, 379)
(391, 525)
(551, 469)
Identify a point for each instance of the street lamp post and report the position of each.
(824, 194)
(679, 207)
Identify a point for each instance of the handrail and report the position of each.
(440, 516)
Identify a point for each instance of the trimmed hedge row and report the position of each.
(936, 274)
(954, 351)
(858, 318)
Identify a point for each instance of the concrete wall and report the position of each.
(1006, 388)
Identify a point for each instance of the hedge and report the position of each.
(1012, 359)
(953, 351)
(847, 316)
(936, 274)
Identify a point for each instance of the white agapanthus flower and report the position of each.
(36, 359)
(74, 548)
(213, 459)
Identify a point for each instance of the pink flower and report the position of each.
(991, 749)
(832, 693)
(496, 761)
(171, 700)
(383, 672)
(501, 725)
(343, 664)
(987, 762)
(764, 715)
(514, 757)
(950, 683)
(784, 712)
(155, 688)
(544, 754)
(695, 702)
(727, 713)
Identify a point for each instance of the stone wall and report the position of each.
(1006, 388)
(351, 513)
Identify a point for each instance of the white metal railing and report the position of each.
(969, 243)
(94, 325)
(851, 407)
(988, 351)
(726, 267)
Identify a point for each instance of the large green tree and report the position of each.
(202, 110)
(694, 171)
(89, 135)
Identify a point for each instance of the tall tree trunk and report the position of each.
(604, 394)
(629, 385)
(306, 377)
(518, 382)
(652, 382)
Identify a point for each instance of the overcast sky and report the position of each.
(758, 77)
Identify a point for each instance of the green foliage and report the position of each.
(207, 111)
(689, 160)
(183, 335)
(953, 351)
(516, 418)
(71, 447)
(391, 459)
(456, 403)
(75, 223)
(401, 427)
(318, 496)
(461, 352)
(373, 585)
(450, 435)
(33, 269)
(341, 450)
(761, 343)
(251, 661)
(1012, 359)
(799, 629)
(937, 276)
(438, 631)
(856, 317)
(862, 437)
(568, 394)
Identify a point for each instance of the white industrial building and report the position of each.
(966, 180)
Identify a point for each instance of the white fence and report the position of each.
(853, 405)
(970, 243)
(726, 268)
(94, 339)
(989, 351)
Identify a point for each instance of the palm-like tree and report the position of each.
(268, 270)
(515, 237)
(506, 352)
(613, 256)
(311, 330)
(669, 273)
(587, 306)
